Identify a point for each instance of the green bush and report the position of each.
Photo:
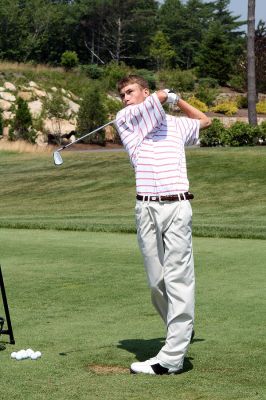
(262, 138)
(93, 71)
(242, 101)
(228, 108)
(180, 81)
(113, 72)
(237, 82)
(242, 134)
(207, 90)
(213, 136)
(69, 60)
(21, 127)
(92, 114)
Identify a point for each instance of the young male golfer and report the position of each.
(155, 143)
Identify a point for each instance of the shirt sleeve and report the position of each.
(189, 129)
(135, 122)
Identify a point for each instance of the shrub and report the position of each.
(242, 101)
(21, 127)
(237, 82)
(69, 60)
(206, 94)
(193, 101)
(93, 71)
(213, 136)
(261, 107)
(228, 108)
(242, 134)
(92, 114)
(113, 72)
(262, 138)
(180, 81)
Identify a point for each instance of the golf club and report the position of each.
(57, 156)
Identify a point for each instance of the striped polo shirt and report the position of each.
(155, 143)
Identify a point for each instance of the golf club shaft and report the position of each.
(87, 134)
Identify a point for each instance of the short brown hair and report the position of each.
(127, 80)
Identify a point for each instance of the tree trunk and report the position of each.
(252, 95)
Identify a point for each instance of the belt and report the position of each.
(173, 197)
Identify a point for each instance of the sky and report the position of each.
(240, 7)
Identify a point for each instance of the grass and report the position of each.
(81, 299)
(46, 77)
(96, 192)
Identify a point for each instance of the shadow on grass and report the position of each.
(147, 348)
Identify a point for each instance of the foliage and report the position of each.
(261, 107)
(260, 53)
(242, 101)
(161, 51)
(180, 81)
(213, 136)
(92, 114)
(197, 104)
(21, 126)
(228, 108)
(112, 106)
(69, 59)
(207, 90)
(93, 71)
(113, 72)
(241, 134)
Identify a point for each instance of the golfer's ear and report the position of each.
(146, 92)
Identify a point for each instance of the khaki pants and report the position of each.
(165, 241)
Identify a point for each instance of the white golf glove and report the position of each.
(172, 97)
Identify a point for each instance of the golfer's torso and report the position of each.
(161, 164)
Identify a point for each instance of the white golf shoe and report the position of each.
(152, 367)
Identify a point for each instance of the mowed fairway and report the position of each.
(77, 289)
(81, 299)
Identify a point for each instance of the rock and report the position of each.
(72, 138)
(7, 96)
(33, 84)
(5, 105)
(2, 89)
(40, 93)
(7, 115)
(63, 91)
(56, 126)
(27, 96)
(41, 139)
(10, 86)
(73, 108)
(35, 108)
(54, 89)
(6, 131)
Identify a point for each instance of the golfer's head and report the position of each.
(133, 89)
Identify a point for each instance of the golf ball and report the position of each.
(13, 355)
(23, 354)
(29, 352)
(38, 353)
(34, 356)
(18, 356)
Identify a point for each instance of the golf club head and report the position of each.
(57, 158)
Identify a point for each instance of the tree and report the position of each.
(161, 51)
(92, 114)
(215, 57)
(22, 124)
(252, 95)
(260, 55)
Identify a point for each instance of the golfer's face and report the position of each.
(133, 94)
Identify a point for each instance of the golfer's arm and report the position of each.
(194, 113)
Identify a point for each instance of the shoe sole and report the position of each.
(169, 373)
